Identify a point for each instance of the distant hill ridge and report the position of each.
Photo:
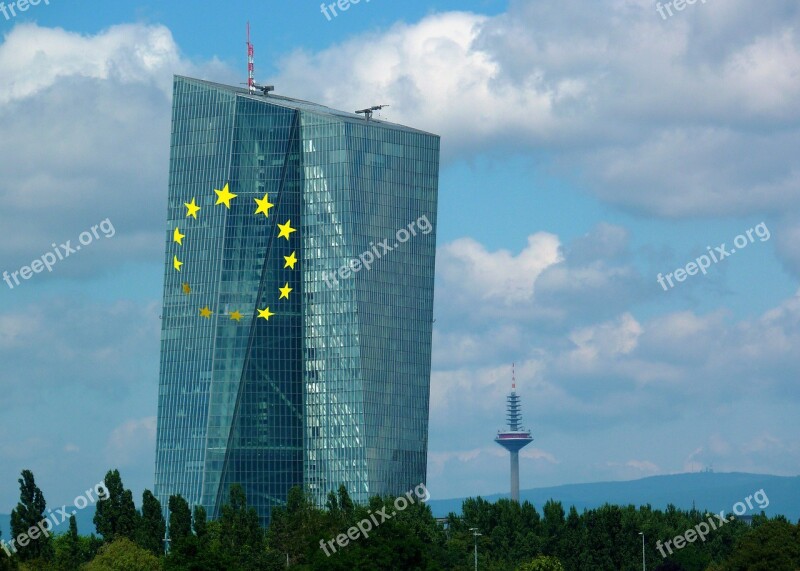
(712, 491)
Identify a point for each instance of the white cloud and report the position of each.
(132, 441)
(539, 454)
(644, 466)
(499, 276)
(73, 345)
(691, 117)
(546, 282)
(633, 469)
(85, 120)
(458, 459)
(618, 338)
(40, 58)
(584, 373)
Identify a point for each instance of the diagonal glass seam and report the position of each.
(251, 336)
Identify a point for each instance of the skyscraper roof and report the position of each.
(302, 105)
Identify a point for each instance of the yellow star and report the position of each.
(191, 209)
(263, 205)
(224, 196)
(285, 291)
(236, 316)
(291, 260)
(205, 312)
(186, 289)
(177, 237)
(265, 313)
(286, 229)
(176, 263)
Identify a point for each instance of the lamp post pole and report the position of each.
(644, 565)
(475, 534)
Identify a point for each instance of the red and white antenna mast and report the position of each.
(251, 66)
(513, 377)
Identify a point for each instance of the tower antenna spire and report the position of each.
(252, 86)
(251, 65)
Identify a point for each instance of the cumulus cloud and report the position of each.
(553, 284)
(538, 454)
(787, 245)
(73, 346)
(40, 58)
(644, 466)
(86, 124)
(499, 276)
(694, 116)
(599, 374)
(634, 468)
(131, 441)
(532, 459)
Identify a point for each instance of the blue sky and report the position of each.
(585, 149)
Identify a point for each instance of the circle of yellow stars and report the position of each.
(224, 197)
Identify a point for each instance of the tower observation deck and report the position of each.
(515, 438)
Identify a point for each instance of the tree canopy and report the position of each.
(393, 533)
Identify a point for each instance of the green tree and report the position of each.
(542, 563)
(152, 527)
(180, 521)
(200, 523)
(346, 505)
(772, 546)
(299, 524)
(116, 516)
(123, 555)
(6, 562)
(68, 549)
(553, 524)
(25, 519)
(195, 552)
(72, 550)
(241, 539)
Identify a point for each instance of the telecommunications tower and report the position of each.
(515, 438)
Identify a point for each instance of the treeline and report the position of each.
(388, 534)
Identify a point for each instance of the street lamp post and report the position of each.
(475, 534)
(644, 565)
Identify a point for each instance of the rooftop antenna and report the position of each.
(252, 86)
(251, 63)
(368, 111)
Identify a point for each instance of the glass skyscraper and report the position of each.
(298, 300)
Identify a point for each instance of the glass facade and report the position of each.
(278, 367)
